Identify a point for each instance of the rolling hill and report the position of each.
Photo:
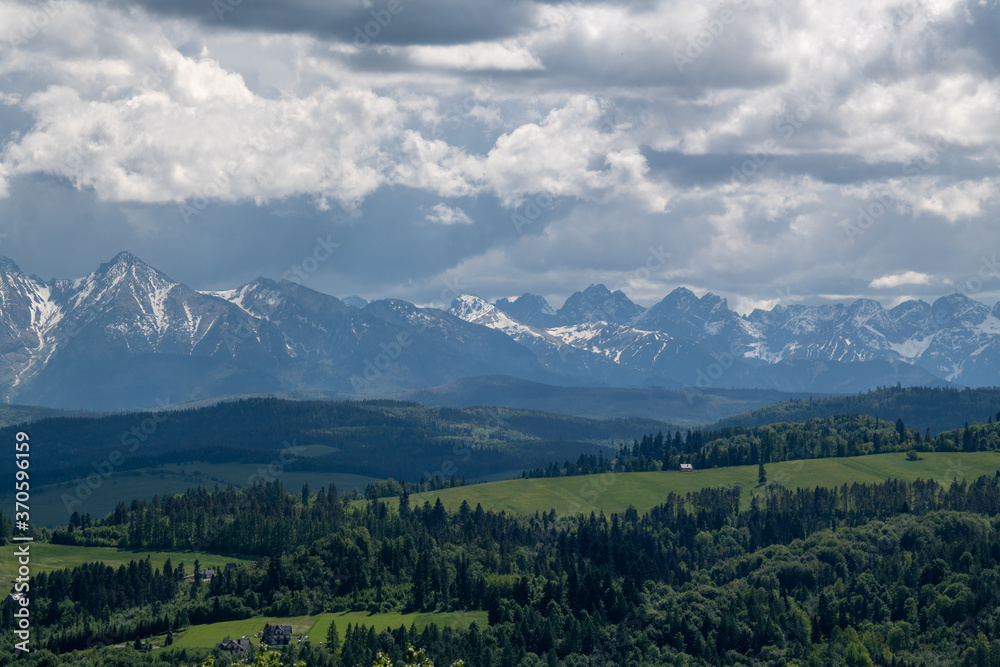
(614, 492)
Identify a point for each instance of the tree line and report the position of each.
(864, 574)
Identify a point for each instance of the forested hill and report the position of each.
(375, 438)
(936, 408)
(887, 574)
(818, 438)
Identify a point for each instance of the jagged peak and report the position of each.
(467, 304)
(125, 257)
(598, 288)
(956, 297)
(865, 305)
(261, 281)
(715, 300)
(122, 263)
(538, 301)
(354, 301)
(865, 301)
(909, 305)
(956, 302)
(678, 297)
(7, 265)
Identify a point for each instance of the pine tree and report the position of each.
(6, 531)
(404, 503)
(761, 473)
(333, 638)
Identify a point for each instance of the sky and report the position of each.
(766, 151)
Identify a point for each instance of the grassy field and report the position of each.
(315, 627)
(614, 492)
(48, 506)
(48, 557)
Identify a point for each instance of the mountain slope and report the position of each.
(127, 335)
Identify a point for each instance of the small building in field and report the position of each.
(277, 635)
(687, 467)
(234, 646)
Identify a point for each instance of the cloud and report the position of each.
(443, 214)
(481, 56)
(396, 22)
(890, 281)
(550, 144)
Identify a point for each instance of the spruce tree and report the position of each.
(333, 637)
(761, 473)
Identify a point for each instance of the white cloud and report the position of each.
(146, 123)
(143, 108)
(443, 214)
(890, 281)
(478, 56)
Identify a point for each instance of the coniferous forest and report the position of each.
(890, 573)
(883, 574)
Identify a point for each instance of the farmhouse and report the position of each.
(277, 635)
(234, 646)
(687, 467)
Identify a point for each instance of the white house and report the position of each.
(687, 467)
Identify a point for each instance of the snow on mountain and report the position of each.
(478, 311)
(557, 349)
(598, 304)
(28, 316)
(127, 334)
(707, 321)
(598, 337)
(530, 309)
(614, 341)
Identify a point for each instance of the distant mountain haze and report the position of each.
(128, 336)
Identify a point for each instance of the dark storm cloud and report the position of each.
(715, 169)
(631, 116)
(391, 240)
(396, 22)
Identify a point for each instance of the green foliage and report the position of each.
(350, 436)
(333, 637)
(884, 573)
(414, 658)
(818, 438)
(935, 408)
(263, 659)
(6, 530)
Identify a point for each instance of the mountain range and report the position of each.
(128, 336)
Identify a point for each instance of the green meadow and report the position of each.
(614, 492)
(314, 628)
(47, 557)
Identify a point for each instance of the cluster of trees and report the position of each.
(412, 658)
(390, 488)
(935, 408)
(838, 436)
(6, 530)
(888, 574)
